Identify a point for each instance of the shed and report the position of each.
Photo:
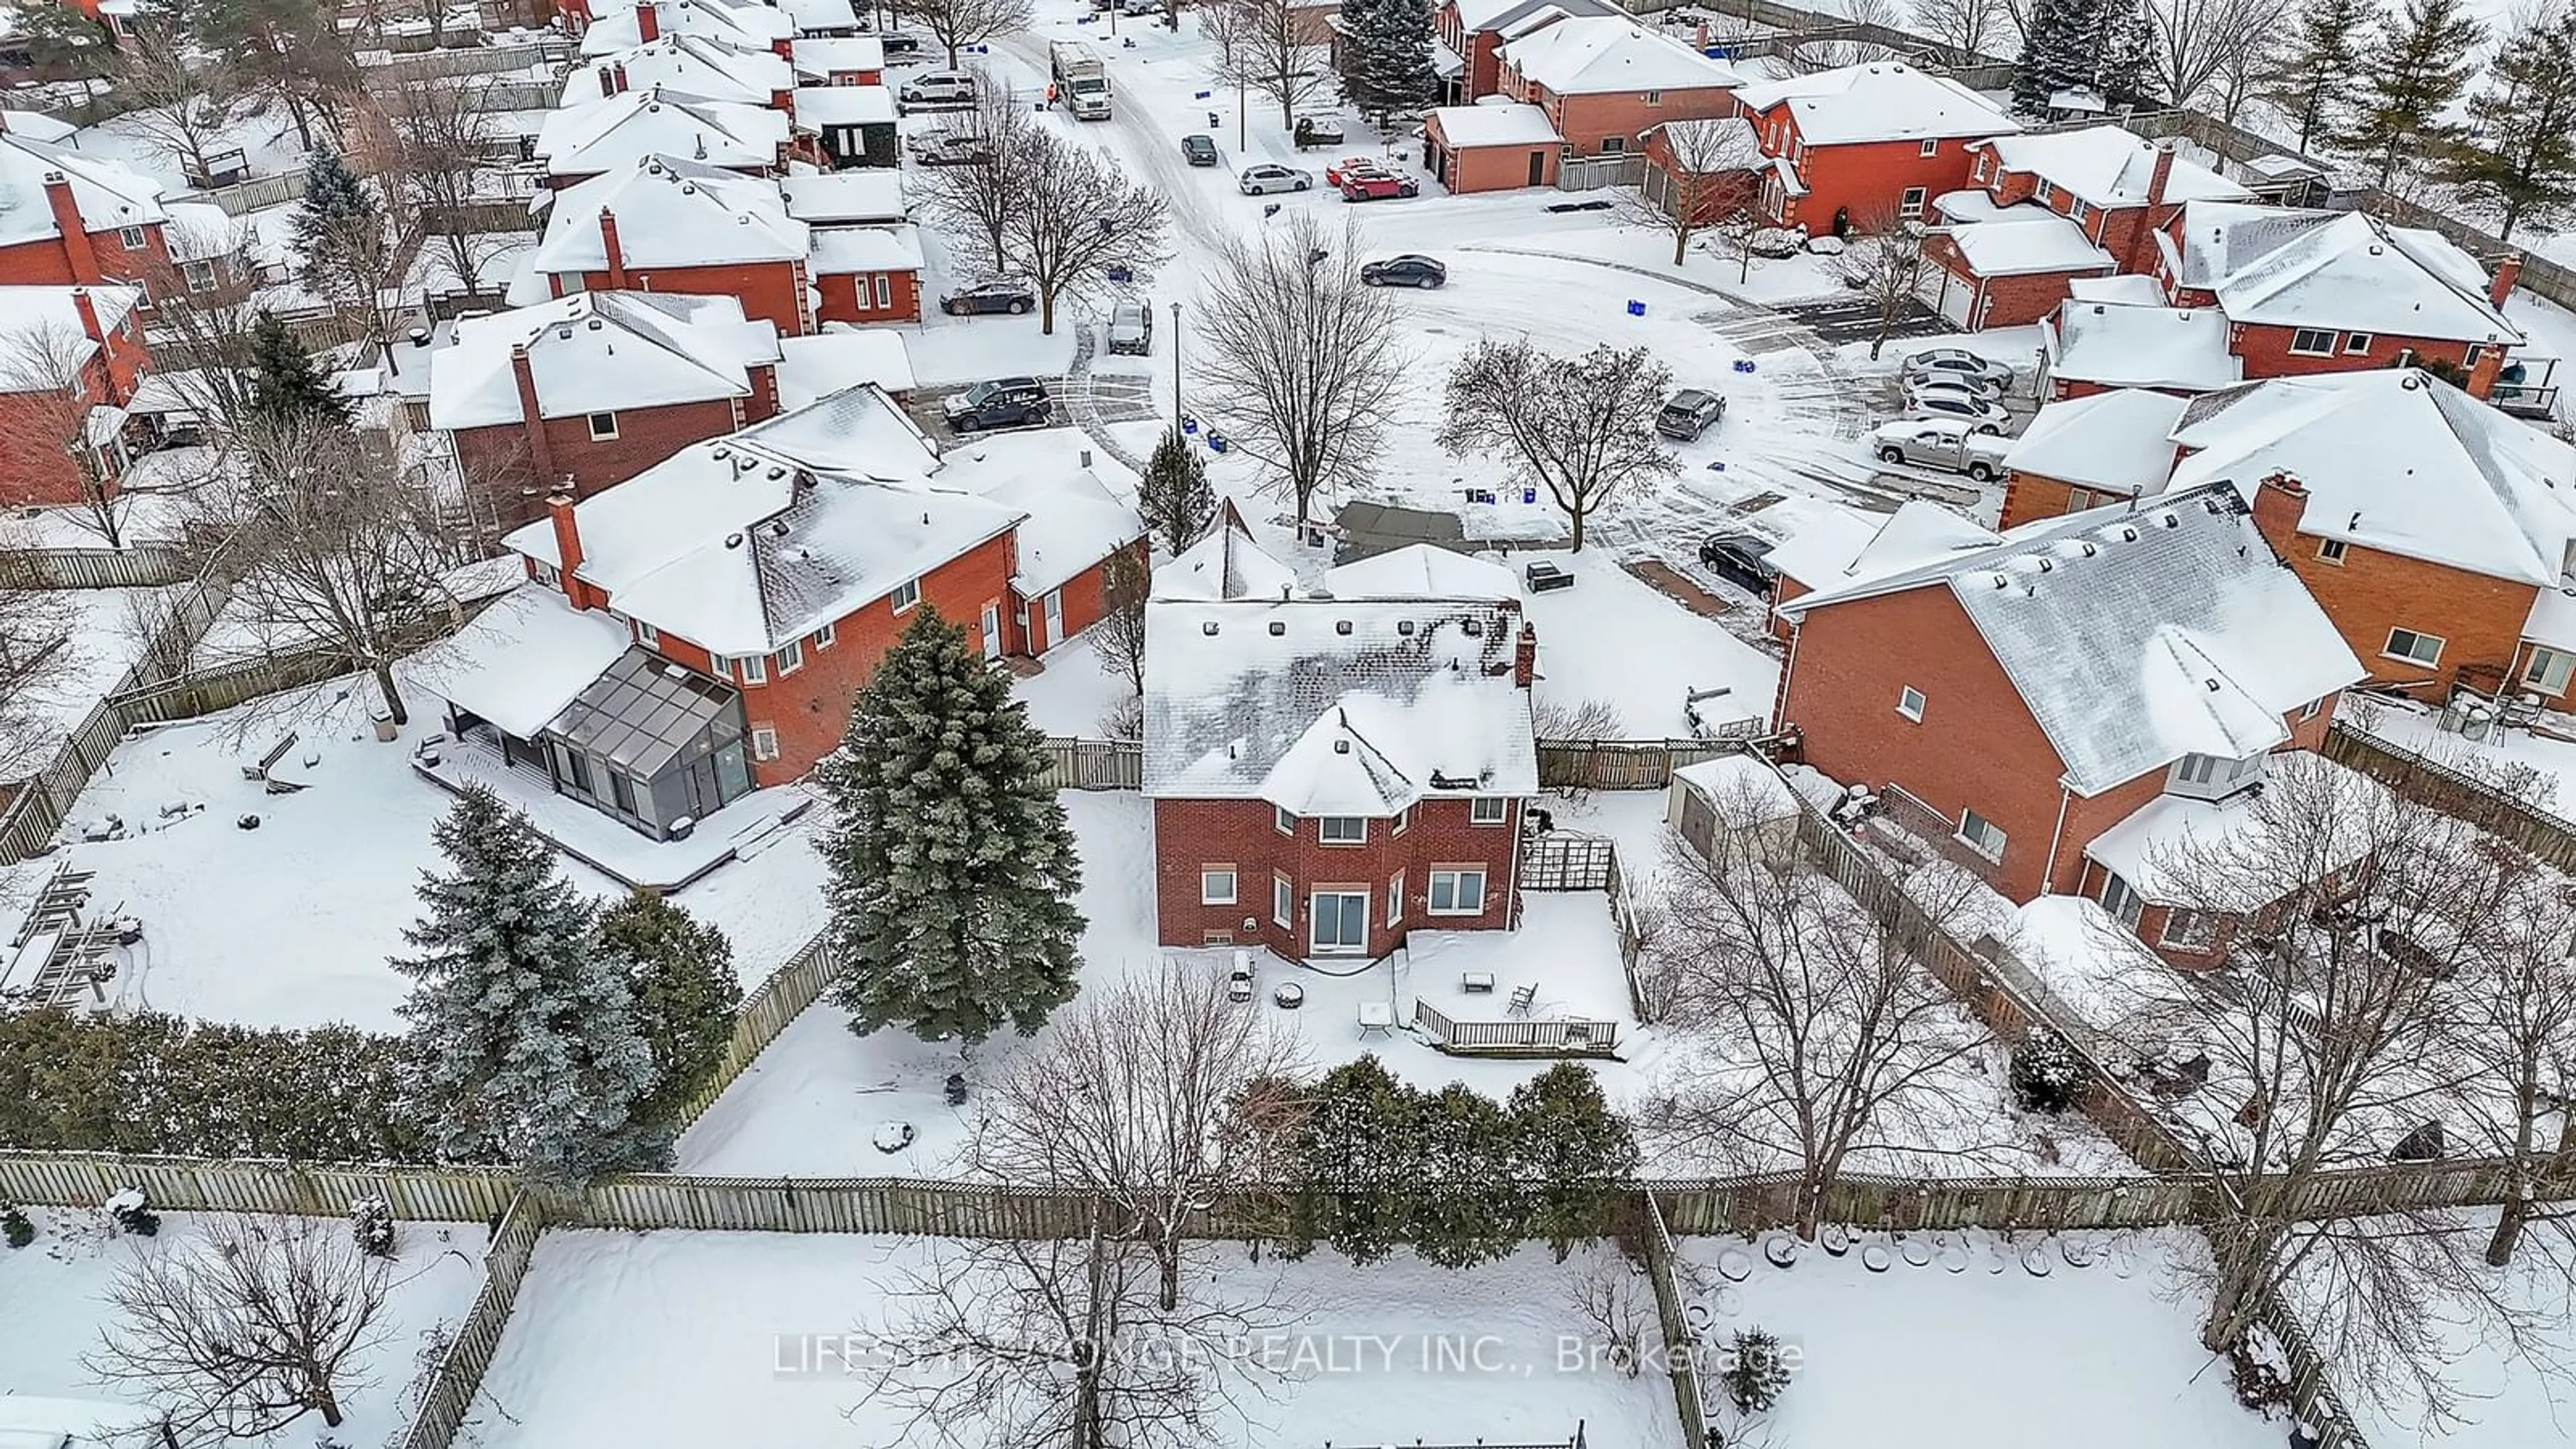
(1742, 792)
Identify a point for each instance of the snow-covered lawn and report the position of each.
(590, 1360)
(1072, 694)
(101, 641)
(1967, 1349)
(53, 1309)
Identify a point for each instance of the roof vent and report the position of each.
(595, 323)
(778, 528)
(733, 540)
(1277, 628)
(1471, 626)
(719, 451)
(2001, 582)
(777, 470)
(1341, 626)
(564, 332)
(2374, 251)
(1404, 626)
(1208, 628)
(2411, 381)
(2128, 535)
(2047, 564)
(1341, 747)
(2213, 686)
(2209, 506)
(2170, 520)
(2090, 550)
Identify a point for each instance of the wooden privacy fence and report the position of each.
(210, 691)
(764, 1014)
(1079, 764)
(1681, 1358)
(1089, 764)
(458, 1376)
(2548, 836)
(198, 1184)
(148, 566)
(487, 61)
(260, 192)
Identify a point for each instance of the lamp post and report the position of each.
(1176, 369)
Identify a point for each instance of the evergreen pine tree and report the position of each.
(1467, 1206)
(523, 1029)
(1573, 1154)
(1350, 50)
(680, 970)
(1174, 496)
(2521, 157)
(2414, 75)
(2120, 74)
(2061, 51)
(1395, 49)
(286, 385)
(2320, 66)
(1754, 1375)
(2031, 88)
(1357, 1161)
(335, 200)
(953, 870)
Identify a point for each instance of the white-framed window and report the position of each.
(1403, 818)
(752, 668)
(1342, 829)
(1985, 165)
(1912, 204)
(1981, 835)
(603, 427)
(1614, 145)
(906, 594)
(1458, 891)
(826, 637)
(2214, 777)
(1932, 148)
(130, 237)
(2312, 342)
(2189, 930)
(1654, 98)
(200, 275)
(2549, 669)
(2077, 211)
(2414, 647)
(885, 292)
(791, 658)
(1488, 810)
(1395, 899)
(548, 574)
(2309, 710)
(764, 743)
(2332, 550)
(2470, 358)
(1282, 821)
(1283, 900)
(1909, 703)
(1216, 885)
(2124, 903)
(2356, 344)
(647, 635)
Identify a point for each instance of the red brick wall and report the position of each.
(46, 262)
(1497, 168)
(2030, 495)
(843, 302)
(1191, 834)
(1084, 598)
(503, 460)
(771, 290)
(1863, 177)
(35, 426)
(2266, 351)
(1584, 120)
(2009, 301)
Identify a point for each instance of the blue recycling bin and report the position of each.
(1216, 442)
(1190, 425)
(1636, 308)
(1201, 95)
(1529, 495)
(1122, 274)
(1717, 467)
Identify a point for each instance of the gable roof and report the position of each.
(1880, 100)
(2137, 635)
(1589, 55)
(753, 26)
(1824, 544)
(107, 194)
(1074, 517)
(820, 364)
(2396, 460)
(1421, 571)
(1226, 564)
(1475, 16)
(2118, 345)
(2024, 240)
(1334, 706)
(598, 352)
(1509, 124)
(2282, 267)
(692, 65)
(42, 326)
(816, 58)
(2108, 166)
(670, 213)
(617, 131)
(863, 194)
(2121, 439)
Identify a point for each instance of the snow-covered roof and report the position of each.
(598, 352)
(1074, 517)
(2283, 267)
(1880, 100)
(2024, 240)
(48, 318)
(524, 658)
(2552, 620)
(1716, 142)
(1730, 779)
(2107, 166)
(844, 106)
(817, 15)
(862, 194)
(35, 126)
(1508, 124)
(2143, 848)
(1834, 546)
(670, 213)
(855, 429)
(202, 231)
(821, 57)
(688, 65)
(843, 249)
(740, 549)
(1590, 55)
(1481, 15)
(2395, 459)
(1421, 571)
(2137, 635)
(818, 364)
(1335, 706)
(2116, 345)
(2128, 289)
(1226, 564)
(1965, 206)
(108, 194)
(614, 132)
(743, 22)
(2122, 439)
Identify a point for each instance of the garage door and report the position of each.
(1950, 296)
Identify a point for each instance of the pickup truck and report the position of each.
(1948, 444)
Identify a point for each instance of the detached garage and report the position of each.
(1491, 147)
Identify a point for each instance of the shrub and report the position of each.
(1755, 1375)
(15, 1229)
(132, 1213)
(2046, 1074)
(371, 1223)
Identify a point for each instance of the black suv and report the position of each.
(1004, 402)
(1010, 297)
(1199, 150)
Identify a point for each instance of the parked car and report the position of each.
(1199, 150)
(1378, 186)
(1131, 329)
(1263, 179)
(1689, 413)
(1140, 7)
(1002, 403)
(900, 48)
(1011, 297)
(1313, 131)
(938, 88)
(1352, 165)
(1409, 270)
(1983, 414)
(1742, 559)
(1948, 443)
(951, 148)
(1957, 362)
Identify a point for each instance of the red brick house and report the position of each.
(75, 220)
(2014, 703)
(70, 358)
(2116, 332)
(1713, 165)
(2041, 211)
(1491, 147)
(2337, 291)
(614, 133)
(1605, 81)
(1849, 143)
(2435, 531)
(666, 225)
(574, 395)
(1329, 774)
(1475, 31)
(685, 65)
(2088, 451)
(851, 60)
(616, 25)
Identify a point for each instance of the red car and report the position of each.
(1351, 166)
(1377, 186)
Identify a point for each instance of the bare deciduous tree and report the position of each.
(956, 24)
(979, 198)
(1581, 427)
(1303, 361)
(2191, 42)
(1261, 48)
(1119, 636)
(45, 366)
(429, 140)
(1609, 1300)
(2520, 1039)
(201, 337)
(1829, 1040)
(245, 1331)
(1707, 181)
(1139, 1096)
(185, 97)
(1838, 47)
(1971, 25)
(1883, 264)
(36, 650)
(1081, 219)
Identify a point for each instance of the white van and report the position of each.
(938, 88)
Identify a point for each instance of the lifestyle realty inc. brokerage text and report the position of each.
(1290, 1355)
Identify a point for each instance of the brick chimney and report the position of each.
(78, 253)
(2279, 501)
(2162, 175)
(616, 253)
(88, 311)
(541, 451)
(1525, 656)
(2508, 272)
(559, 508)
(2484, 372)
(648, 22)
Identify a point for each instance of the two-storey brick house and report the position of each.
(1864, 141)
(1475, 31)
(76, 221)
(616, 25)
(685, 65)
(613, 133)
(2117, 332)
(70, 358)
(1605, 81)
(663, 224)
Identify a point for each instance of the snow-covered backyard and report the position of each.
(102, 633)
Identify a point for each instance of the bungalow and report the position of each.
(685, 65)
(1970, 694)
(2115, 332)
(665, 225)
(853, 60)
(1605, 81)
(1475, 31)
(854, 125)
(70, 360)
(867, 274)
(614, 132)
(1861, 141)
(867, 197)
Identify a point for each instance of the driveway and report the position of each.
(1841, 321)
